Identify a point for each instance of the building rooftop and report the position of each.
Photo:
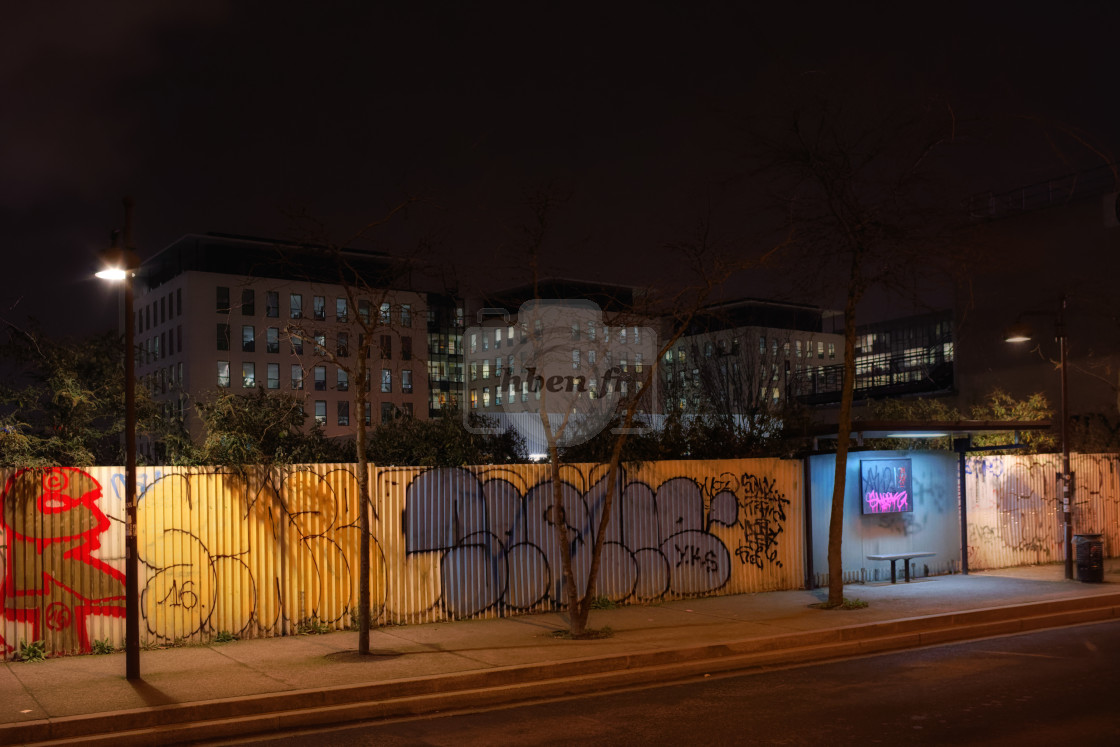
(272, 258)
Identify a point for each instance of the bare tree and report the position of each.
(603, 387)
(858, 189)
(378, 307)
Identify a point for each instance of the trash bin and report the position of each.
(1089, 551)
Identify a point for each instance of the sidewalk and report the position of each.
(203, 692)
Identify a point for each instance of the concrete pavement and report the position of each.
(253, 686)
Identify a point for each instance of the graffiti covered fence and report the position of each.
(1014, 507)
(275, 551)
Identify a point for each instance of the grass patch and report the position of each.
(101, 647)
(854, 603)
(224, 636)
(312, 626)
(603, 603)
(587, 635)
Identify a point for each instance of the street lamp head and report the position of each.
(1018, 332)
(117, 261)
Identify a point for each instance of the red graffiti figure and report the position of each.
(52, 582)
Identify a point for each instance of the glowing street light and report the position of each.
(1022, 333)
(119, 263)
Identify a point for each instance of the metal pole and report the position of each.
(1067, 475)
(131, 561)
(961, 446)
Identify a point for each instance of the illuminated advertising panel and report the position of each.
(885, 486)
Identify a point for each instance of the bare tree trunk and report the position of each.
(578, 621)
(844, 433)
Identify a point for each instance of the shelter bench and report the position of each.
(903, 556)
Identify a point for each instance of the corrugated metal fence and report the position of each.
(274, 552)
(1014, 507)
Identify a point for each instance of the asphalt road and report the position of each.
(1054, 687)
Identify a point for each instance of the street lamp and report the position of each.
(119, 263)
(1022, 333)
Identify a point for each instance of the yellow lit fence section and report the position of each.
(276, 551)
(1014, 507)
(480, 541)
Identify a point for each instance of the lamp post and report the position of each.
(1021, 333)
(120, 263)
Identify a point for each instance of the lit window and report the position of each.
(297, 376)
(832, 350)
(485, 396)
(820, 350)
(320, 412)
(248, 375)
(341, 311)
(386, 380)
(637, 362)
(474, 399)
(384, 314)
(223, 373)
(248, 339)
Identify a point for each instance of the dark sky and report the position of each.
(230, 116)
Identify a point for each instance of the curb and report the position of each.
(259, 714)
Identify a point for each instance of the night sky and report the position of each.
(234, 116)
